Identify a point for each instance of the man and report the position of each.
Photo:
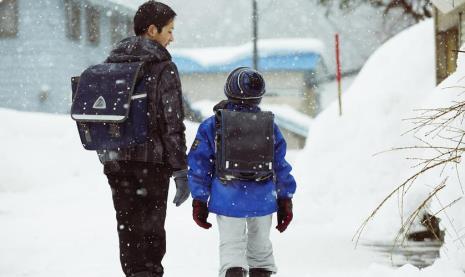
(139, 175)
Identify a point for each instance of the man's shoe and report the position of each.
(259, 272)
(142, 274)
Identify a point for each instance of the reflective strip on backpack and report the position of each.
(137, 96)
(98, 117)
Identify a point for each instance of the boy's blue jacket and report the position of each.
(237, 198)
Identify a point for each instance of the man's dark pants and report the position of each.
(140, 192)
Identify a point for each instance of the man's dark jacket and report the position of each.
(167, 145)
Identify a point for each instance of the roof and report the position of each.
(295, 54)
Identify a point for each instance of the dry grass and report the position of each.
(440, 124)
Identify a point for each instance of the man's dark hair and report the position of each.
(152, 12)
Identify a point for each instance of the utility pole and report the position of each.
(255, 33)
(338, 73)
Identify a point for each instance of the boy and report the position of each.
(139, 173)
(237, 170)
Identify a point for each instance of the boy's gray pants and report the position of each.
(245, 242)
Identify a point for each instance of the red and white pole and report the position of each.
(338, 74)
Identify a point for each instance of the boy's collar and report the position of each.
(234, 106)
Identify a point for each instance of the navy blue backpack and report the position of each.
(110, 106)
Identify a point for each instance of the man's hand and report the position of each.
(182, 189)
(285, 214)
(200, 213)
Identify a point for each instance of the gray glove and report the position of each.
(182, 189)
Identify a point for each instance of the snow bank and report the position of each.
(447, 93)
(340, 171)
(56, 212)
(44, 149)
(341, 177)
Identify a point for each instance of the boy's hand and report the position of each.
(200, 213)
(182, 189)
(285, 214)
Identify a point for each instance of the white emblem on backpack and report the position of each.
(100, 103)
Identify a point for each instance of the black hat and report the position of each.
(245, 84)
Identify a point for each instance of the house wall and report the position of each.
(293, 88)
(38, 63)
(289, 88)
(450, 36)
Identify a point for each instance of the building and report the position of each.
(449, 22)
(45, 42)
(291, 68)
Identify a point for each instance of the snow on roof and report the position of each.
(274, 54)
(266, 47)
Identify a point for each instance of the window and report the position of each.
(73, 19)
(118, 27)
(93, 24)
(8, 18)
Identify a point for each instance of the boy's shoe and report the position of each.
(236, 272)
(259, 272)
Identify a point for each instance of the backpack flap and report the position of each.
(104, 92)
(246, 145)
(110, 106)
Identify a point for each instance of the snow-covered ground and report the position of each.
(341, 181)
(57, 218)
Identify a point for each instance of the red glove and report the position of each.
(284, 213)
(200, 213)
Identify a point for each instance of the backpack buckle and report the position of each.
(86, 129)
(114, 130)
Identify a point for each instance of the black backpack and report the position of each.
(244, 145)
(110, 106)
